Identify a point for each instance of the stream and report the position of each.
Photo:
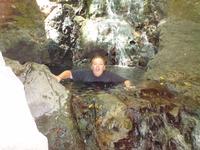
(153, 43)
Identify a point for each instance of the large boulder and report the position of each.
(22, 34)
(177, 63)
(49, 104)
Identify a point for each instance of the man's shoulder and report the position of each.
(114, 77)
(82, 75)
(81, 72)
(109, 73)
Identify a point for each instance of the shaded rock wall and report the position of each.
(177, 62)
(22, 34)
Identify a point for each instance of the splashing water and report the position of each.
(120, 35)
(114, 30)
(110, 12)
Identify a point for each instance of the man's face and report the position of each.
(98, 66)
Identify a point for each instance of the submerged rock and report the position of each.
(152, 89)
(101, 120)
(119, 119)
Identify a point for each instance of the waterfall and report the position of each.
(121, 40)
(46, 6)
(109, 23)
(118, 40)
(110, 5)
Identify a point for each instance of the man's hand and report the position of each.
(128, 85)
(67, 74)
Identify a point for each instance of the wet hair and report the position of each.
(98, 53)
(104, 58)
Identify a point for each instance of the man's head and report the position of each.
(98, 65)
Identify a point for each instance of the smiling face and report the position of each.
(98, 66)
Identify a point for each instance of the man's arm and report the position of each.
(64, 75)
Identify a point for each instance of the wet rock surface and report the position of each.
(179, 68)
(22, 34)
(152, 116)
(49, 104)
(101, 120)
(138, 119)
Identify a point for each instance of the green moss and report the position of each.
(28, 14)
(189, 10)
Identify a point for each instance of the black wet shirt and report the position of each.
(87, 76)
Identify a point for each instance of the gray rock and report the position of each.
(49, 104)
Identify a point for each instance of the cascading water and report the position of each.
(113, 31)
(109, 24)
(110, 12)
(119, 41)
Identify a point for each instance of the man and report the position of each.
(97, 74)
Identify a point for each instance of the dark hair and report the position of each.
(97, 53)
(104, 58)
